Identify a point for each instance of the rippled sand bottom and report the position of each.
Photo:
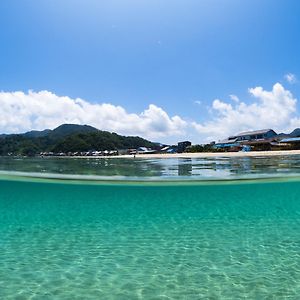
(236, 241)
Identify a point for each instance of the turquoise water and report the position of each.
(233, 240)
(178, 168)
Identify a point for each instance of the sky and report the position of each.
(166, 70)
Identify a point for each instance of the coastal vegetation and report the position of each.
(202, 148)
(65, 138)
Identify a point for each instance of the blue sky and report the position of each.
(179, 56)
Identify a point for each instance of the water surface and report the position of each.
(171, 168)
(217, 241)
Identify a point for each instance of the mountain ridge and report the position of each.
(67, 138)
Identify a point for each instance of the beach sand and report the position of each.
(205, 154)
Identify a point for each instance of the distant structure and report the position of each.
(258, 139)
(145, 150)
(183, 145)
(257, 135)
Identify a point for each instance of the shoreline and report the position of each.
(193, 155)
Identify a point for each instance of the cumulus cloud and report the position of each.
(234, 98)
(290, 78)
(20, 112)
(270, 109)
(276, 109)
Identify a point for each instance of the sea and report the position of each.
(178, 228)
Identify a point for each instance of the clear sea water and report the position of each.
(185, 237)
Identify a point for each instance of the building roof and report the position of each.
(165, 148)
(296, 139)
(227, 141)
(262, 131)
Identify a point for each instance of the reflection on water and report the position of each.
(185, 168)
(221, 167)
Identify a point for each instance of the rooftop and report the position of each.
(295, 139)
(262, 131)
(229, 140)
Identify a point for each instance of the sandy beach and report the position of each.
(204, 154)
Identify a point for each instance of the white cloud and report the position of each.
(270, 109)
(20, 112)
(234, 98)
(276, 109)
(198, 102)
(290, 78)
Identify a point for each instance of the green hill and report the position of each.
(67, 138)
(69, 129)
